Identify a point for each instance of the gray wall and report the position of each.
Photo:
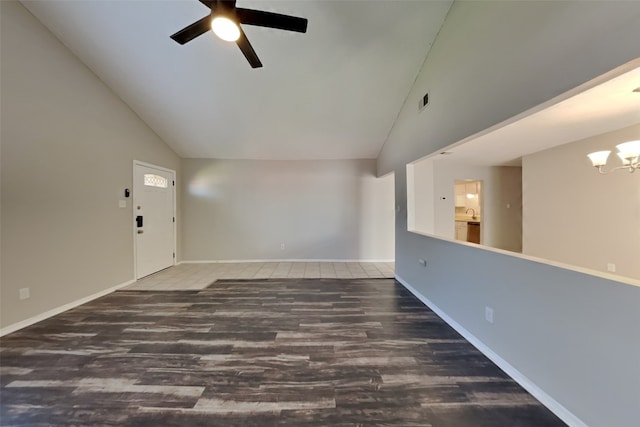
(506, 200)
(575, 336)
(323, 209)
(68, 145)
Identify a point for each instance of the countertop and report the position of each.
(467, 218)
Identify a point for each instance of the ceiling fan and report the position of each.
(225, 20)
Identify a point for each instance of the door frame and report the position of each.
(134, 230)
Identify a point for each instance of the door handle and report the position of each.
(139, 221)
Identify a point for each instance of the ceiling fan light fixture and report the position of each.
(225, 28)
(224, 20)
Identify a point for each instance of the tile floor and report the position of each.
(199, 276)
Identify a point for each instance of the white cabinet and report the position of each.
(471, 188)
(464, 188)
(461, 230)
(467, 194)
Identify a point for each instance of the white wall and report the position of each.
(574, 336)
(574, 215)
(68, 145)
(421, 197)
(325, 209)
(434, 183)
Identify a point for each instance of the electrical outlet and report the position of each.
(422, 262)
(611, 267)
(282, 246)
(24, 293)
(488, 314)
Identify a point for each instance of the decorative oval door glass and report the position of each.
(153, 180)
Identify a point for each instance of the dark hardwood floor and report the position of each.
(299, 352)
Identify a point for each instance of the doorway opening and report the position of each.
(468, 210)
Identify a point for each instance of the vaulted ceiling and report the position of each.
(609, 102)
(332, 93)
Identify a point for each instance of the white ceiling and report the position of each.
(603, 105)
(332, 93)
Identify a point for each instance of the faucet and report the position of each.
(473, 215)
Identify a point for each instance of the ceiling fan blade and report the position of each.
(209, 3)
(192, 31)
(247, 50)
(272, 20)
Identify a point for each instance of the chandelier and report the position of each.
(628, 152)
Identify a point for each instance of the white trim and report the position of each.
(563, 413)
(583, 270)
(133, 218)
(151, 165)
(236, 261)
(40, 317)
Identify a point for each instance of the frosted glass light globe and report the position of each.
(225, 28)
(599, 158)
(629, 150)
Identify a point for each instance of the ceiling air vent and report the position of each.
(424, 101)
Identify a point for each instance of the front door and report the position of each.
(154, 218)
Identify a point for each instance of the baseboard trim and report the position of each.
(563, 413)
(237, 261)
(40, 317)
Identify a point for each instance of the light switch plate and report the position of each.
(488, 314)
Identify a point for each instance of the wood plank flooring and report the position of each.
(299, 352)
